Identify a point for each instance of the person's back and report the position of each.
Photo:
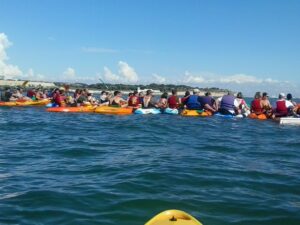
(148, 101)
(283, 107)
(207, 100)
(7, 95)
(173, 100)
(228, 104)
(134, 100)
(193, 101)
(256, 104)
(163, 101)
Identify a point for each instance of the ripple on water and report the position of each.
(94, 169)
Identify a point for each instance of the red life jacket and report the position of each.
(256, 107)
(133, 101)
(173, 102)
(59, 99)
(281, 107)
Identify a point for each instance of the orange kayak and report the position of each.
(258, 117)
(113, 110)
(80, 109)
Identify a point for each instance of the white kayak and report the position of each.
(171, 111)
(289, 121)
(147, 111)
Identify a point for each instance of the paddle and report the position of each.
(103, 83)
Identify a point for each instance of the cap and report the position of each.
(281, 95)
(196, 90)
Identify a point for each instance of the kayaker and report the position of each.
(228, 105)
(289, 97)
(296, 109)
(266, 105)
(81, 98)
(256, 106)
(148, 100)
(174, 101)
(59, 97)
(5, 96)
(185, 97)
(134, 100)
(163, 101)
(45, 94)
(38, 95)
(91, 99)
(141, 98)
(193, 101)
(117, 100)
(243, 108)
(31, 93)
(18, 96)
(104, 98)
(208, 103)
(283, 107)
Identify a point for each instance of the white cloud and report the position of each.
(99, 50)
(110, 76)
(127, 72)
(239, 79)
(69, 74)
(8, 70)
(231, 79)
(159, 79)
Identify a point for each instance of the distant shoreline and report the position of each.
(158, 89)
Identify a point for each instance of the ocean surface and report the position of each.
(60, 168)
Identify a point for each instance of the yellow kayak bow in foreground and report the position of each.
(173, 217)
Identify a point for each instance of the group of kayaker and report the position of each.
(284, 106)
(17, 94)
(228, 104)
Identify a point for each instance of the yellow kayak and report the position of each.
(190, 112)
(26, 103)
(173, 217)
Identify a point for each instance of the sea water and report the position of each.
(63, 168)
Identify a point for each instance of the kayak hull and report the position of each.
(258, 117)
(171, 111)
(173, 217)
(228, 116)
(26, 103)
(190, 112)
(289, 121)
(113, 110)
(147, 111)
(81, 109)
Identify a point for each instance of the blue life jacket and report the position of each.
(206, 100)
(227, 102)
(193, 102)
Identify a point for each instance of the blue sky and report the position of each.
(228, 43)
